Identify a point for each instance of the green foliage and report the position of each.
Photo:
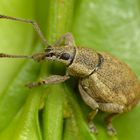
(57, 112)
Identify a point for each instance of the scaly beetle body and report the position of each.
(105, 83)
(100, 76)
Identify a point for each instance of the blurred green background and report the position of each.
(57, 112)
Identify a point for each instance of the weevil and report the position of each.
(105, 82)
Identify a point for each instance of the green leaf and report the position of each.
(111, 26)
(24, 125)
(53, 114)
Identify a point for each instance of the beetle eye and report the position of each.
(65, 56)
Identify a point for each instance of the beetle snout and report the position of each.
(50, 52)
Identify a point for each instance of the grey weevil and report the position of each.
(105, 83)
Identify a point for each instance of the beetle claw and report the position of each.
(111, 130)
(92, 128)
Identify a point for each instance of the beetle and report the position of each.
(105, 82)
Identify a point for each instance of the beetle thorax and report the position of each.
(84, 63)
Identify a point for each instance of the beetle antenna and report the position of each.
(3, 55)
(37, 56)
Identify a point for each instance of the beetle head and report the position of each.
(64, 54)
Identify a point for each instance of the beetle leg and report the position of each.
(108, 121)
(114, 109)
(111, 107)
(88, 99)
(66, 39)
(93, 104)
(54, 79)
(33, 23)
(90, 118)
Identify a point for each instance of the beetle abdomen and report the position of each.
(114, 82)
